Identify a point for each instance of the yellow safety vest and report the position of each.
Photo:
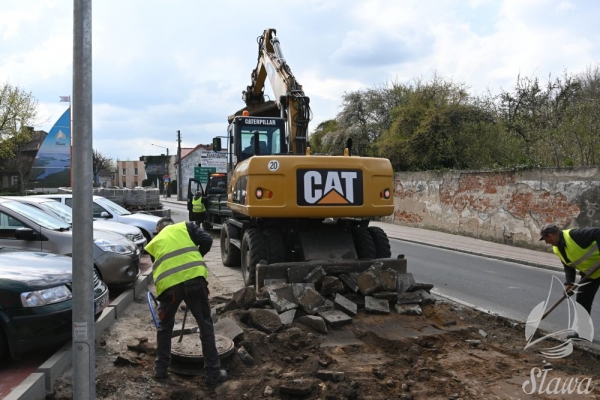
(582, 259)
(176, 257)
(197, 205)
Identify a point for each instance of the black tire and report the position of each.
(230, 255)
(3, 345)
(253, 251)
(363, 242)
(382, 243)
(275, 246)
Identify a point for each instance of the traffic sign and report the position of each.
(202, 173)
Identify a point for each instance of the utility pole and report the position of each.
(179, 183)
(84, 329)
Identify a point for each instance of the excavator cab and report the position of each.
(257, 136)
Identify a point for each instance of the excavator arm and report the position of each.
(289, 96)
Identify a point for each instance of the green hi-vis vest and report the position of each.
(197, 205)
(582, 259)
(176, 257)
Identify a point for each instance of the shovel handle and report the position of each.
(183, 324)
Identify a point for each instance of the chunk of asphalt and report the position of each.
(298, 288)
(427, 297)
(409, 298)
(336, 318)
(282, 299)
(416, 286)
(265, 320)
(331, 285)
(389, 279)
(368, 282)
(350, 282)
(315, 322)
(287, 317)
(245, 356)
(315, 276)
(405, 281)
(229, 328)
(245, 297)
(310, 300)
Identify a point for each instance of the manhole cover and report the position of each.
(190, 348)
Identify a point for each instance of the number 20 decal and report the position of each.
(273, 165)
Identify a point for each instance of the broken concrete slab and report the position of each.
(298, 288)
(409, 298)
(326, 306)
(331, 285)
(368, 282)
(392, 297)
(265, 320)
(310, 300)
(377, 306)
(349, 281)
(416, 286)
(388, 279)
(282, 299)
(245, 356)
(336, 318)
(408, 309)
(405, 281)
(315, 322)
(315, 276)
(427, 297)
(287, 317)
(345, 305)
(245, 297)
(229, 328)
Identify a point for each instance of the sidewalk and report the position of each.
(463, 244)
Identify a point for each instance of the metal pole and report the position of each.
(84, 335)
(179, 183)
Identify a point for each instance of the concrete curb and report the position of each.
(39, 383)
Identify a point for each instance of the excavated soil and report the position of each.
(448, 352)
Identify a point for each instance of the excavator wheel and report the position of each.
(254, 250)
(381, 241)
(364, 244)
(229, 253)
(275, 246)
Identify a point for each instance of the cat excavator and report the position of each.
(286, 207)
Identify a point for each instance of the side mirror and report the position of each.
(105, 214)
(216, 144)
(26, 234)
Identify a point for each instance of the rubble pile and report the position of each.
(323, 301)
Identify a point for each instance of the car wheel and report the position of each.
(3, 345)
(381, 241)
(230, 254)
(253, 251)
(363, 242)
(146, 235)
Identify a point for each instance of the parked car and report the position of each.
(65, 213)
(36, 300)
(111, 211)
(25, 227)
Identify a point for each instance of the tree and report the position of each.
(100, 162)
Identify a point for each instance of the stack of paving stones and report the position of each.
(324, 301)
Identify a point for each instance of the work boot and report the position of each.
(159, 374)
(573, 335)
(221, 376)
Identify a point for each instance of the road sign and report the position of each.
(202, 173)
(166, 179)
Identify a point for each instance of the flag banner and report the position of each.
(65, 98)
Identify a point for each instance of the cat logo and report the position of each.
(325, 187)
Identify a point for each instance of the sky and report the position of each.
(159, 66)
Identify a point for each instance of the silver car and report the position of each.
(111, 211)
(22, 226)
(65, 213)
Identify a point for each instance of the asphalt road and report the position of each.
(504, 288)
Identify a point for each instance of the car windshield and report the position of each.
(37, 216)
(113, 207)
(60, 210)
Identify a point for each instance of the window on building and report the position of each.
(14, 180)
(124, 171)
(135, 171)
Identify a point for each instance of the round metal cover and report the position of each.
(189, 351)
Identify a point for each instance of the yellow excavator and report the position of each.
(285, 206)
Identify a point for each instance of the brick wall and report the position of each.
(502, 206)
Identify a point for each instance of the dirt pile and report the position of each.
(447, 352)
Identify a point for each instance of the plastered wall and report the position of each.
(509, 207)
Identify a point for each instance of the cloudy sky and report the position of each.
(165, 65)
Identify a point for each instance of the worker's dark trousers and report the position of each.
(586, 293)
(194, 293)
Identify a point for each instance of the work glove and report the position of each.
(569, 289)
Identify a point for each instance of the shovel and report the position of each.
(183, 324)
(584, 279)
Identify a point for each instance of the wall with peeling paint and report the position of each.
(508, 207)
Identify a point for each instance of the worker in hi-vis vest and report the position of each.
(198, 208)
(179, 274)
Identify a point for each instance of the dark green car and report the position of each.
(36, 301)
